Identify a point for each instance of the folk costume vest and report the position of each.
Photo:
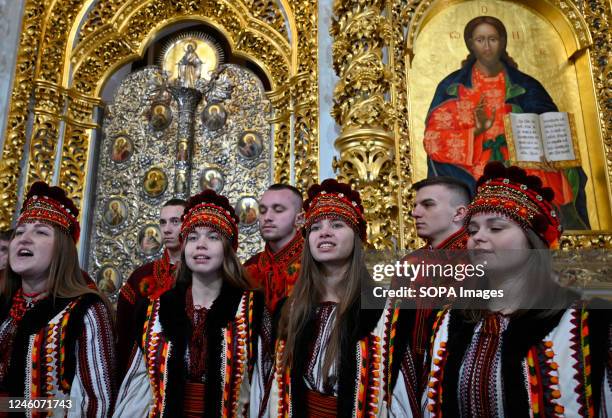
(144, 284)
(369, 368)
(60, 349)
(156, 384)
(545, 367)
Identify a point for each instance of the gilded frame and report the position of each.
(69, 48)
(577, 28)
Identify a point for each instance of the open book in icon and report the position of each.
(542, 141)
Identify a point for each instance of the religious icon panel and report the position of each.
(479, 71)
(109, 280)
(122, 149)
(155, 182)
(250, 145)
(214, 116)
(149, 239)
(247, 210)
(211, 178)
(193, 123)
(161, 116)
(115, 213)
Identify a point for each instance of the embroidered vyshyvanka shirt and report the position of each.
(237, 356)
(525, 366)
(276, 273)
(62, 348)
(363, 385)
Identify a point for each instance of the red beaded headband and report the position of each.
(212, 216)
(329, 203)
(50, 205)
(527, 206)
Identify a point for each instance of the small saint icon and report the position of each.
(189, 67)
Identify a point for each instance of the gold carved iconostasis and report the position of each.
(390, 56)
(190, 123)
(211, 94)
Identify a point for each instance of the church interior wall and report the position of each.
(328, 127)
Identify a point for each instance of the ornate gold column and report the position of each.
(401, 13)
(18, 115)
(48, 108)
(364, 109)
(49, 95)
(306, 95)
(77, 133)
(281, 118)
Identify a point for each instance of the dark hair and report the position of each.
(294, 190)
(501, 30)
(175, 202)
(456, 186)
(6, 235)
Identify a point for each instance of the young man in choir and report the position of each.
(439, 212)
(151, 279)
(277, 267)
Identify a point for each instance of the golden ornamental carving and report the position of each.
(281, 118)
(268, 11)
(15, 137)
(79, 126)
(401, 13)
(587, 268)
(368, 164)
(373, 111)
(100, 14)
(8, 166)
(72, 48)
(103, 11)
(109, 48)
(591, 240)
(121, 39)
(368, 158)
(49, 103)
(365, 110)
(598, 15)
(305, 95)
